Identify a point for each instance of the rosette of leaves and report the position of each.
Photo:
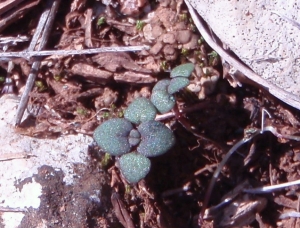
(162, 94)
(117, 137)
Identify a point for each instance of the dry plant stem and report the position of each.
(220, 167)
(8, 157)
(272, 188)
(252, 76)
(38, 31)
(263, 116)
(170, 192)
(28, 54)
(10, 209)
(205, 168)
(185, 110)
(278, 135)
(290, 214)
(44, 26)
(16, 12)
(229, 198)
(8, 4)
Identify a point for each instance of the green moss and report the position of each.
(140, 25)
(101, 21)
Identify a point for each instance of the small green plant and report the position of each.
(213, 58)
(40, 86)
(183, 17)
(140, 25)
(101, 21)
(184, 52)
(2, 79)
(81, 111)
(105, 160)
(106, 115)
(57, 77)
(164, 65)
(201, 40)
(137, 137)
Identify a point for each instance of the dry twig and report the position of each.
(45, 25)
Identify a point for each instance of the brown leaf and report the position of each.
(121, 212)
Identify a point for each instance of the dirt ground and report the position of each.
(74, 94)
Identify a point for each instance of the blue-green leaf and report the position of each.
(140, 110)
(183, 70)
(156, 139)
(160, 97)
(177, 84)
(112, 136)
(162, 100)
(134, 137)
(161, 85)
(134, 166)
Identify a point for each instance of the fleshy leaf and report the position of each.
(140, 110)
(134, 137)
(160, 97)
(134, 166)
(177, 84)
(156, 140)
(112, 136)
(161, 85)
(162, 100)
(183, 70)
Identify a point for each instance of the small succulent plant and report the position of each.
(138, 136)
(162, 93)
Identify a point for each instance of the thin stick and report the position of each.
(272, 188)
(10, 209)
(249, 135)
(8, 157)
(28, 54)
(263, 116)
(46, 25)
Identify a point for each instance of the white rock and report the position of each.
(62, 154)
(266, 42)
